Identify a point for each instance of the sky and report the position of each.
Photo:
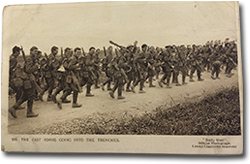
(94, 24)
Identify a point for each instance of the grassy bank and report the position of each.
(215, 114)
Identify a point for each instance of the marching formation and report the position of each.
(125, 68)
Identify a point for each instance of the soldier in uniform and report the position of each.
(140, 66)
(195, 61)
(29, 86)
(88, 77)
(50, 71)
(129, 55)
(62, 85)
(107, 68)
(150, 58)
(157, 65)
(167, 68)
(97, 72)
(215, 59)
(119, 64)
(72, 67)
(15, 83)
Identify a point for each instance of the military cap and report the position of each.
(144, 45)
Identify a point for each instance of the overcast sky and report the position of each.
(94, 24)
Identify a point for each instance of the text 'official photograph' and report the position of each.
(122, 68)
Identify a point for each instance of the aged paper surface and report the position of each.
(122, 77)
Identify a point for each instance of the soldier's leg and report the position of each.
(46, 87)
(75, 96)
(30, 112)
(150, 79)
(192, 74)
(176, 79)
(162, 80)
(142, 80)
(56, 92)
(13, 109)
(199, 75)
(184, 73)
(168, 81)
(88, 91)
(119, 90)
(111, 93)
(97, 80)
(50, 89)
(212, 73)
(90, 82)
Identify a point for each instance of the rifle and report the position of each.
(24, 57)
(117, 45)
(62, 55)
(83, 51)
(116, 52)
(104, 50)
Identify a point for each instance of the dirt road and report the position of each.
(134, 103)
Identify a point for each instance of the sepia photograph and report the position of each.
(111, 76)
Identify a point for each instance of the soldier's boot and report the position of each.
(20, 107)
(30, 112)
(53, 97)
(177, 84)
(191, 79)
(183, 80)
(150, 79)
(40, 96)
(96, 84)
(133, 88)
(108, 86)
(217, 75)
(12, 111)
(128, 87)
(75, 104)
(120, 97)
(111, 93)
(142, 91)
(66, 101)
(119, 91)
(49, 98)
(59, 103)
(88, 94)
(200, 79)
(168, 86)
(160, 83)
(102, 86)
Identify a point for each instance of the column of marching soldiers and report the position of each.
(125, 68)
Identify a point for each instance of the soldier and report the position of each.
(216, 63)
(231, 57)
(167, 68)
(62, 86)
(195, 61)
(119, 64)
(97, 71)
(107, 68)
(72, 67)
(15, 83)
(140, 66)
(150, 58)
(50, 71)
(129, 55)
(29, 85)
(157, 64)
(88, 76)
